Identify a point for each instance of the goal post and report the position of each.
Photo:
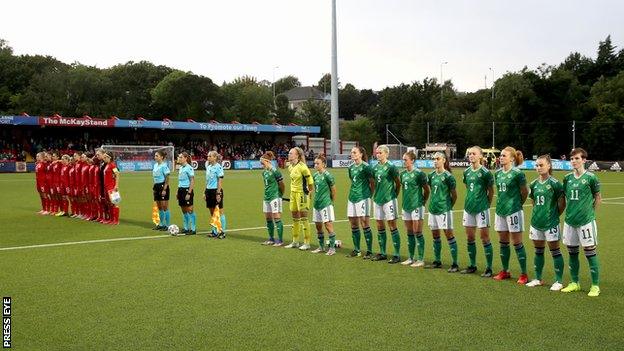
(132, 158)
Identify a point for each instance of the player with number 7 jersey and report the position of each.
(582, 193)
(441, 202)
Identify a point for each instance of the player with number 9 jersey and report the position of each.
(479, 194)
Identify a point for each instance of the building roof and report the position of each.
(305, 93)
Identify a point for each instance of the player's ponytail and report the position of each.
(269, 155)
(548, 160)
(516, 155)
(363, 152)
(321, 157)
(411, 155)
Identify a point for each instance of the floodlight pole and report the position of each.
(335, 134)
(573, 134)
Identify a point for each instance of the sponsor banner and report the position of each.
(459, 163)
(217, 127)
(14, 167)
(341, 163)
(134, 166)
(19, 120)
(76, 122)
(250, 164)
(604, 166)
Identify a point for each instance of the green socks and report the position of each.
(472, 253)
(505, 254)
(558, 262)
(489, 254)
(271, 228)
(594, 267)
(420, 240)
(368, 237)
(574, 263)
(382, 237)
(396, 242)
(411, 244)
(538, 262)
(453, 246)
(321, 239)
(355, 235)
(280, 229)
(437, 249)
(521, 253)
(332, 240)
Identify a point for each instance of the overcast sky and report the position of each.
(380, 43)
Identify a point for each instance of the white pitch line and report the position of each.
(68, 243)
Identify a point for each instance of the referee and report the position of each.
(214, 190)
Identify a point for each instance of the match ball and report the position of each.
(173, 229)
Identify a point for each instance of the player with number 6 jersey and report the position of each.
(548, 204)
(387, 188)
(479, 194)
(415, 195)
(509, 223)
(582, 194)
(359, 202)
(443, 197)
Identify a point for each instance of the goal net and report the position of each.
(131, 158)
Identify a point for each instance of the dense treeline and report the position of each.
(532, 109)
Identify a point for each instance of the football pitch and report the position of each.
(78, 285)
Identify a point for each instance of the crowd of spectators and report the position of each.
(14, 149)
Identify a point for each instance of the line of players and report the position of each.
(578, 196)
(78, 186)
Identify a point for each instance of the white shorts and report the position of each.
(359, 209)
(514, 223)
(441, 221)
(324, 215)
(387, 211)
(479, 220)
(273, 206)
(417, 214)
(552, 234)
(586, 235)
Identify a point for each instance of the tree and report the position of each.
(283, 113)
(182, 95)
(284, 84)
(324, 84)
(349, 99)
(132, 84)
(245, 100)
(316, 113)
(361, 130)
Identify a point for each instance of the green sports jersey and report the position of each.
(360, 176)
(508, 185)
(385, 188)
(441, 186)
(271, 178)
(545, 197)
(477, 183)
(579, 193)
(322, 189)
(412, 183)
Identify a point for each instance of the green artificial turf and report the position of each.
(196, 293)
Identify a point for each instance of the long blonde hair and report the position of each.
(517, 155)
(300, 154)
